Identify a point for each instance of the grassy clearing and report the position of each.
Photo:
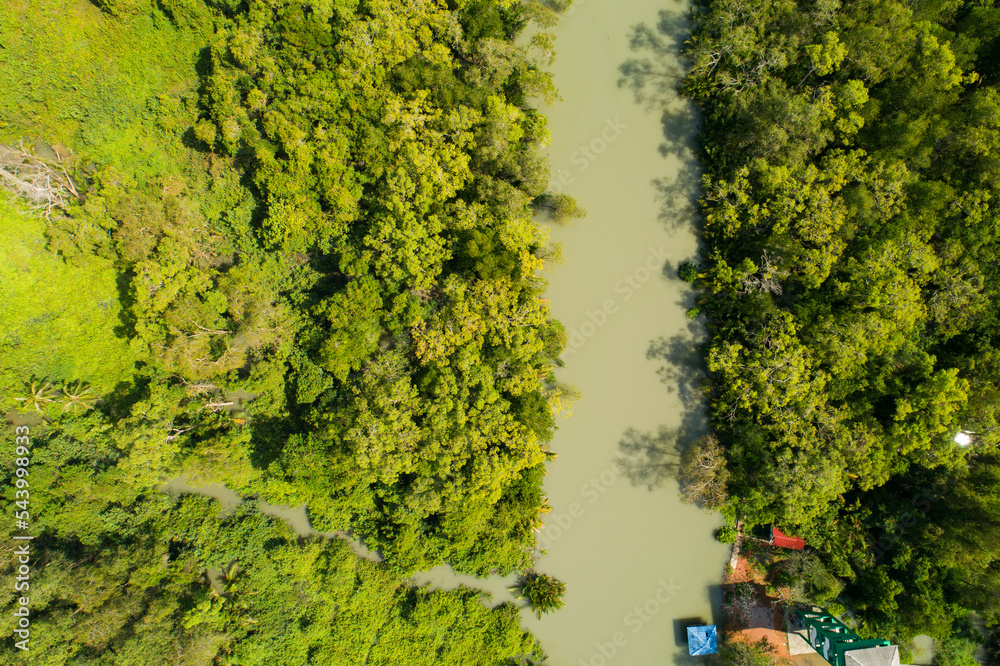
(106, 92)
(58, 319)
(116, 92)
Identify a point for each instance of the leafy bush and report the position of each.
(809, 580)
(726, 534)
(542, 591)
(687, 271)
(956, 651)
(741, 653)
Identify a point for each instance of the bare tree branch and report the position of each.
(32, 179)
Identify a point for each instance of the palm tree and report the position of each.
(229, 574)
(77, 396)
(232, 572)
(543, 592)
(38, 395)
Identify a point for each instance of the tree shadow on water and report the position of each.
(682, 367)
(678, 194)
(649, 458)
(681, 124)
(653, 76)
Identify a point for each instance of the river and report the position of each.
(638, 564)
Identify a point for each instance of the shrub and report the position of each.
(123, 8)
(542, 591)
(687, 271)
(726, 534)
(956, 651)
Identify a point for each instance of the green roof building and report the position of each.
(840, 646)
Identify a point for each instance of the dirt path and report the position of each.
(766, 620)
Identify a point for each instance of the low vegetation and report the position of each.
(542, 591)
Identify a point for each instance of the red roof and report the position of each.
(785, 541)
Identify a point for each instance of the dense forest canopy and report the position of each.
(850, 276)
(295, 243)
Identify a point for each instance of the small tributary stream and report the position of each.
(296, 517)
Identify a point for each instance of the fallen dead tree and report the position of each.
(42, 186)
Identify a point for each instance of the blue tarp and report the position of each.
(702, 640)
